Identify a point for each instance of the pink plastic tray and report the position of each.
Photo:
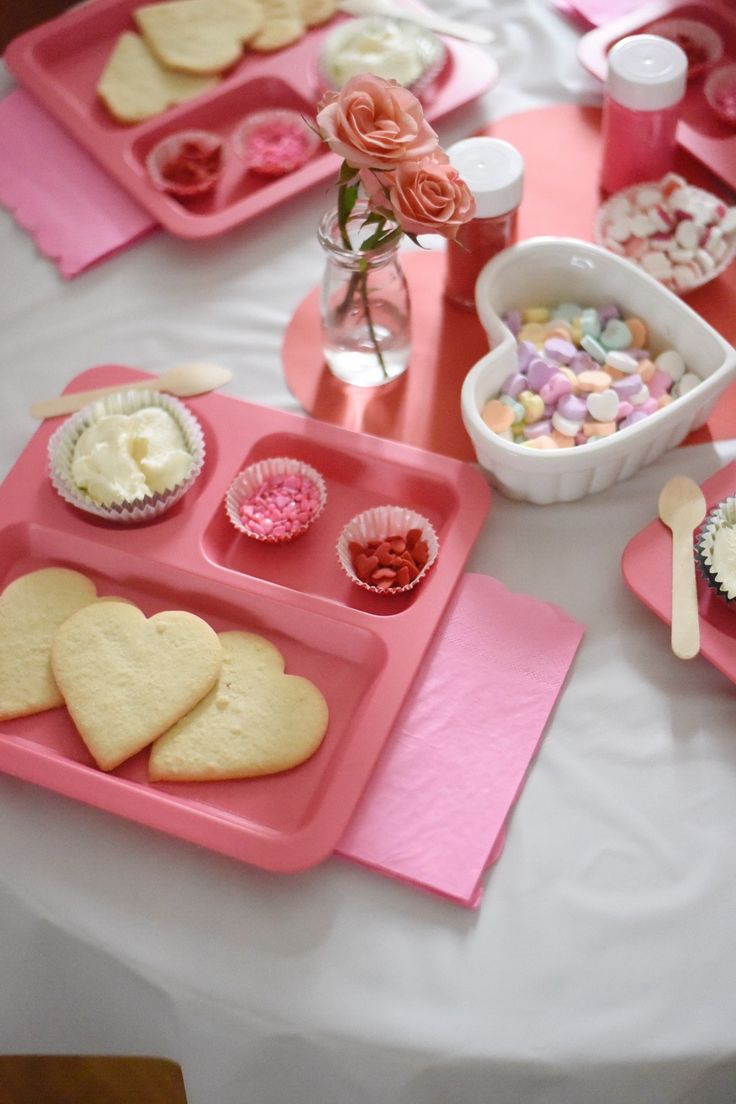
(699, 130)
(60, 62)
(647, 569)
(361, 650)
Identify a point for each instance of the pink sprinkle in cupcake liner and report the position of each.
(276, 500)
(275, 142)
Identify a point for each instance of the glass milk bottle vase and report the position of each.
(365, 308)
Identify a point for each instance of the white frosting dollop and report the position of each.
(123, 457)
(391, 48)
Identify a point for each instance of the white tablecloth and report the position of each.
(600, 967)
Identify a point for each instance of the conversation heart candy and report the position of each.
(603, 405)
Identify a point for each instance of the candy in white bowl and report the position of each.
(681, 235)
(547, 271)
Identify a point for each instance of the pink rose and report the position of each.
(375, 123)
(425, 197)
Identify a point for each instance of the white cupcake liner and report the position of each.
(169, 147)
(247, 482)
(61, 452)
(434, 54)
(270, 117)
(377, 524)
(722, 515)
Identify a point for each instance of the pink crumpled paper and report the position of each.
(75, 212)
(434, 811)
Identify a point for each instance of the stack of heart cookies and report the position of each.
(210, 706)
(180, 48)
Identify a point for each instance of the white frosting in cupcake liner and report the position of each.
(64, 439)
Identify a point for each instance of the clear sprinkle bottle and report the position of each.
(645, 85)
(494, 172)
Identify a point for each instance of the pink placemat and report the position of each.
(434, 811)
(74, 211)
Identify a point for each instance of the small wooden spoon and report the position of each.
(682, 508)
(182, 379)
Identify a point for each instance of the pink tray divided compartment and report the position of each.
(647, 568)
(362, 651)
(699, 131)
(60, 62)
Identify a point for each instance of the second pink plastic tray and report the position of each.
(647, 569)
(361, 650)
(60, 62)
(699, 131)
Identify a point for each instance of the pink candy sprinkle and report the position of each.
(277, 146)
(281, 507)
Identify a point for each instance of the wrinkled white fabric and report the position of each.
(599, 969)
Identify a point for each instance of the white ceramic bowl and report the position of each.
(544, 271)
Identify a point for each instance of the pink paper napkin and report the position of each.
(434, 811)
(75, 212)
(598, 12)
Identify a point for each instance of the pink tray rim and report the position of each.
(472, 73)
(406, 636)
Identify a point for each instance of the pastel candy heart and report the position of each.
(616, 334)
(603, 405)
(555, 387)
(533, 405)
(526, 350)
(572, 407)
(538, 372)
(627, 386)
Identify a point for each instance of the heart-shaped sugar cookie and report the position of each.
(31, 610)
(257, 720)
(126, 679)
(134, 86)
(199, 36)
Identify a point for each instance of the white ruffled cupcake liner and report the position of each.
(376, 525)
(722, 515)
(61, 453)
(246, 485)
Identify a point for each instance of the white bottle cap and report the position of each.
(494, 172)
(646, 72)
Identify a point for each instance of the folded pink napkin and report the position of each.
(75, 212)
(434, 811)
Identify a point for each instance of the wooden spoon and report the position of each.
(182, 379)
(682, 508)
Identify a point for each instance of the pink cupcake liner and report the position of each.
(264, 500)
(61, 453)
(720, 93)
(702, 43)
(275, 142)
(376, 525)
(174, 146)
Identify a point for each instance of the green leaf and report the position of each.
(347, 173)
